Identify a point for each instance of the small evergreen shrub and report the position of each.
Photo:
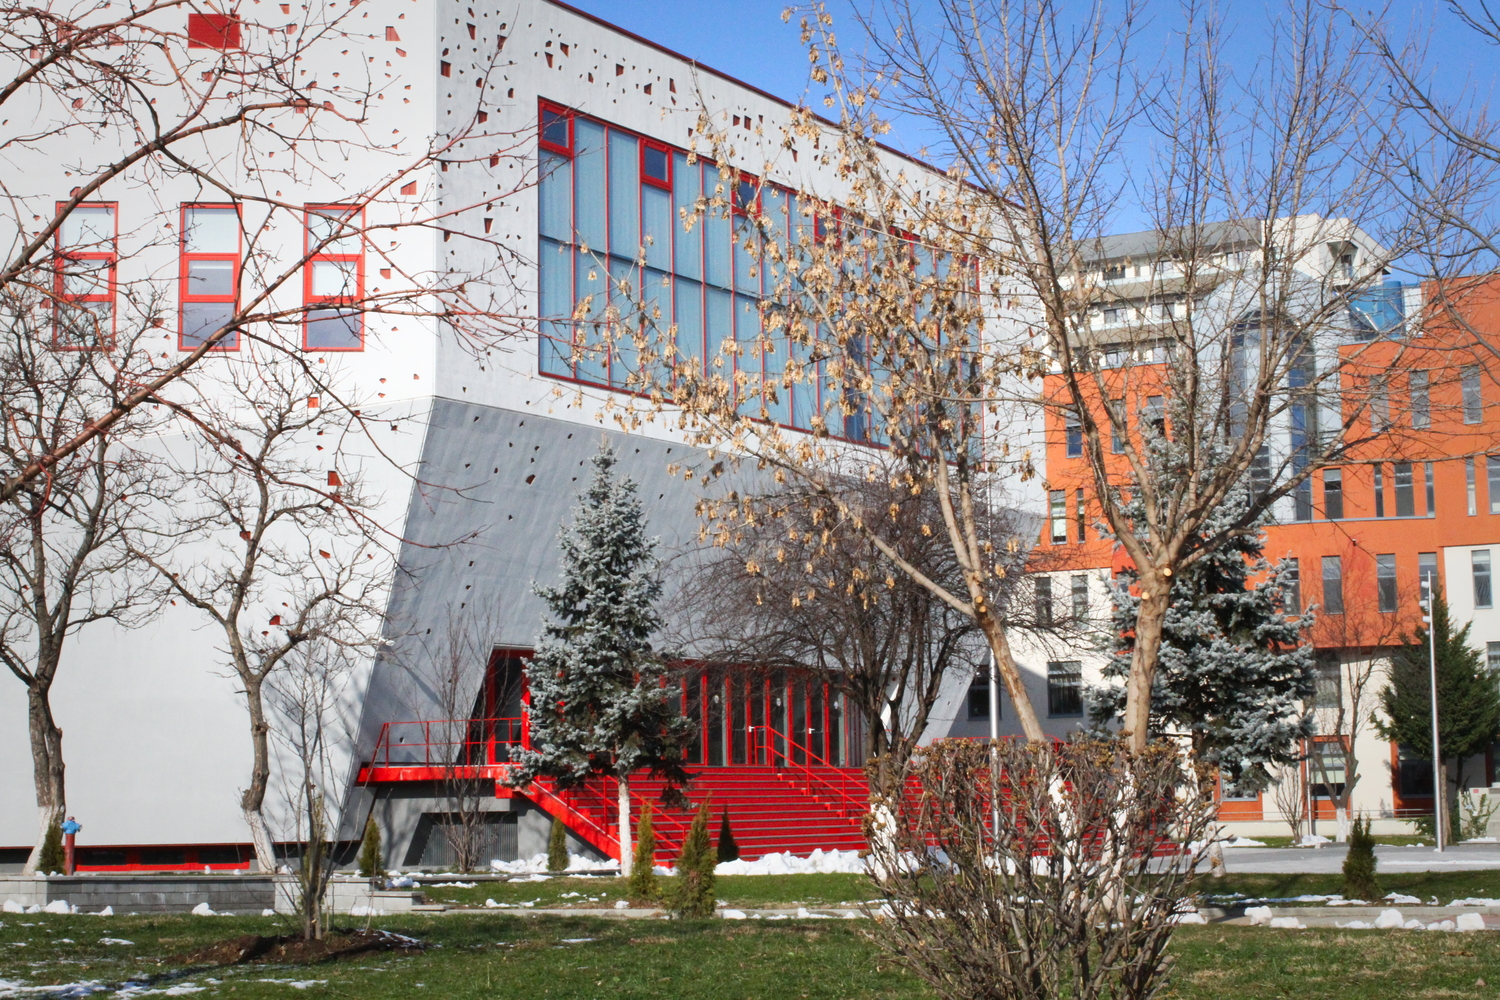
(695, 870)
(644, 888)
(557, 847)
(1359, 864)
(371, 864)
(51, 859)
(729, 850)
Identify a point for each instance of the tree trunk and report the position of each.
(253, 799)
(1155, 599)
(47, 767)
(1010, 674)
(1341, 818)
(626, 858)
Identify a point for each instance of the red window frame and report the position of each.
(541, 127)
(213, 31)
(230, 343)
(313, 302)
(747, 211)
(666, 151)
(65, 256)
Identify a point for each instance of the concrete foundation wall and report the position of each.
(146, 894)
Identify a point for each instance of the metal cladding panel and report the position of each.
(492, 490)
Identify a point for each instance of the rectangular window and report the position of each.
(1333, 585)
(1116, 427)
(210, 275)
(1156, 415)
(1406, 500)
(1080, 584)
(334, 278)
(1469, 486)
(1058, 503)
(1492, 657)
(1380, 405)
(1379, 489)
(1413, 775)
(1330, 682)
(1043, 599)
(1080, 512)
(1427, 572)
(1073, 434)
(1064, 688)
(979, 699)
(1260, 481)
(1492, 481)
(1421, 404)
(87, 257)
(1291, 594)
(1333, 494)
(1385, 581)
(1472, 393)
(1431, 497)
(1480, 563)
(1327, 768)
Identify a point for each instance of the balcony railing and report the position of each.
(456, 746)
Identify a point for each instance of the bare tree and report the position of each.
(1291, 799)
(63, 537)
(1261, 235)
(275, 546)
(306, 697)
(175, 96)
(791, 583)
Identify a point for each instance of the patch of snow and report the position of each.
(1357, 925)
(11, 906)
(203, 910)
(1288, 923)
(1480, 840)
(1258, 915)
(403, 882)
(575, 940)
(1401, 899)
(268, 913)
(621, 904)
(733, 914)
(115, 941)
(1191, 918)
(1389, 919)
(1244, 842)
(1313, 840)
(59, 906)
(1470, 922)
(819, 861)
(1413, 925)
(363, 910)
(537, 864)
(108, 911)
(1442, 925)
(454, 885)
(296, 984)
(1475, 901)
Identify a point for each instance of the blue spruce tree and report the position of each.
(599, 704)
(1235, 678)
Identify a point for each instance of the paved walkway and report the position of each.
(1330, 859)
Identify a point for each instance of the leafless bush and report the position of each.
(1073, 892)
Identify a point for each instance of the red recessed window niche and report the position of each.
(213, 31)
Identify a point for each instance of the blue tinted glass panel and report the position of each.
(588, 183)
(656, 295)
(625, 295)
(804, 391)
(746, 272)
(555, 262)
(624, 195)
(656, 219)
(690, 320)
(720, 330)
(687, 185)
(556, 198)
(654, 162)
(778, 397)
(775, 203)
(747, 333)
(718, 235)
(590, 281)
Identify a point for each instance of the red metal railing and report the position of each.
(829, 779)
(446, 743)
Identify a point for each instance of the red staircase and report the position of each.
(795, 802)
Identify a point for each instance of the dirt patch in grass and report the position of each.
(289, 950)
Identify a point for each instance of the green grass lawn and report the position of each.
(497, 955)
(591, 891)
(1392, 839)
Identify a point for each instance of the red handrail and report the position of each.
(856, 804)
(465, 751)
